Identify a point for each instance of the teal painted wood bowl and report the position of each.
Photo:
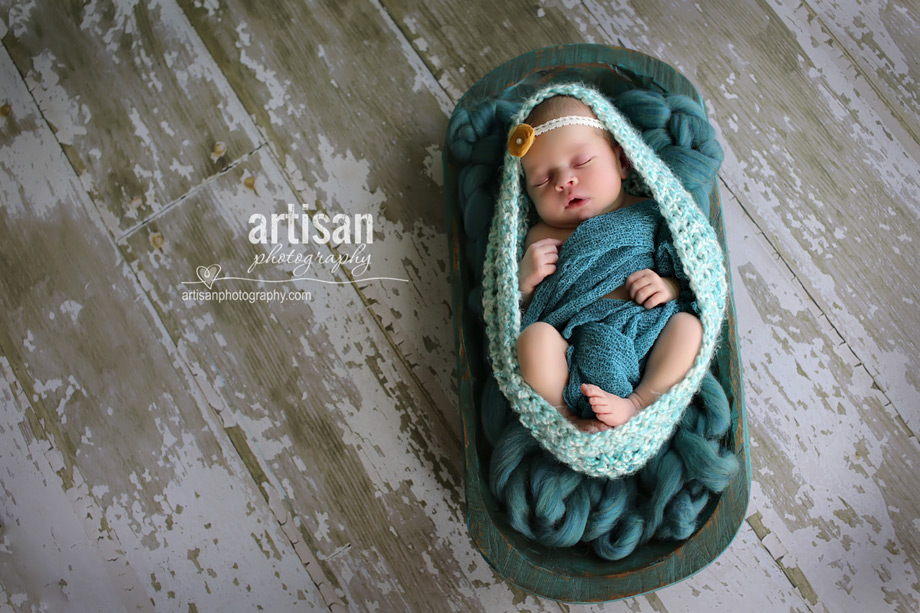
(572, 574)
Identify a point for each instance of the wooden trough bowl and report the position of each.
(576, 574)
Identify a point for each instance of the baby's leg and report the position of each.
(541, 353)
(671, 357)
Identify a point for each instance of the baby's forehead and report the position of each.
(569, 140)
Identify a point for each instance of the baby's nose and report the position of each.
(566, 180)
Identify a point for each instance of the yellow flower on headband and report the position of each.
(520, 140)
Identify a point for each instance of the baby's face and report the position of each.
(572, 174)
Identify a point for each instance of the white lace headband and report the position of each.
(523, 135)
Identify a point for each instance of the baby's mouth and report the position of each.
(575, 202)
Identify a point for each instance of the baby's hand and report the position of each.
(647, 288)
(539, 262)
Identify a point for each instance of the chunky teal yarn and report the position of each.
(623, 450)
(559, 507)
(544, 499)
(677, 130)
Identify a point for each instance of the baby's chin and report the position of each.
(570, 221)
(586, 211)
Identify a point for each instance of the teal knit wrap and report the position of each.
(627, 448)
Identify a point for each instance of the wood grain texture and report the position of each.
(826, 186)
(357, 122)
(115, 439)
(326, 432)
(47, 556)
(835, 480)
(366, 467)
(138, 110)
(872, 43)
(792, 131)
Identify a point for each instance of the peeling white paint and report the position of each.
(806, 396)
(49, 560)
(72, 308)
(346, 180)
(424, 80)
(21, 169)
(434, 168)
(278, 96)
(18, 18)
(27, 341)
(812, 427)
(69, 117)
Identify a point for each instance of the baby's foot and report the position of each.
(610, 409)
(589, 426)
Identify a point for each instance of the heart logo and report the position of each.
(208, 275)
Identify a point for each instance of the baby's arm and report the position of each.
(539, 262)
(648, 288)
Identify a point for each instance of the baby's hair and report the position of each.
(558, 106)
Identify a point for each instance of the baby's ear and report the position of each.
(625, 165)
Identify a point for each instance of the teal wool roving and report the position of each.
(559, 486)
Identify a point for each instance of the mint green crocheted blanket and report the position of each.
(623, 450)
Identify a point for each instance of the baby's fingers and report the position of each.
(645, 274)
(656, 299)
(550, 258)
(646, 295)
(539, 248)
(547, 243)
(640, 289)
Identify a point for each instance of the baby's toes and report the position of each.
(596, 400)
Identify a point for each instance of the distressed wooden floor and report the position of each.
(162, 452)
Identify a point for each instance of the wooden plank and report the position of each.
(364, 464)
(835, 469)
(139, 109)
(46, 556)
(839, 537)
(357, 121)
(745, 577)
(114, 437)
(461, 43)
(875, 42)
